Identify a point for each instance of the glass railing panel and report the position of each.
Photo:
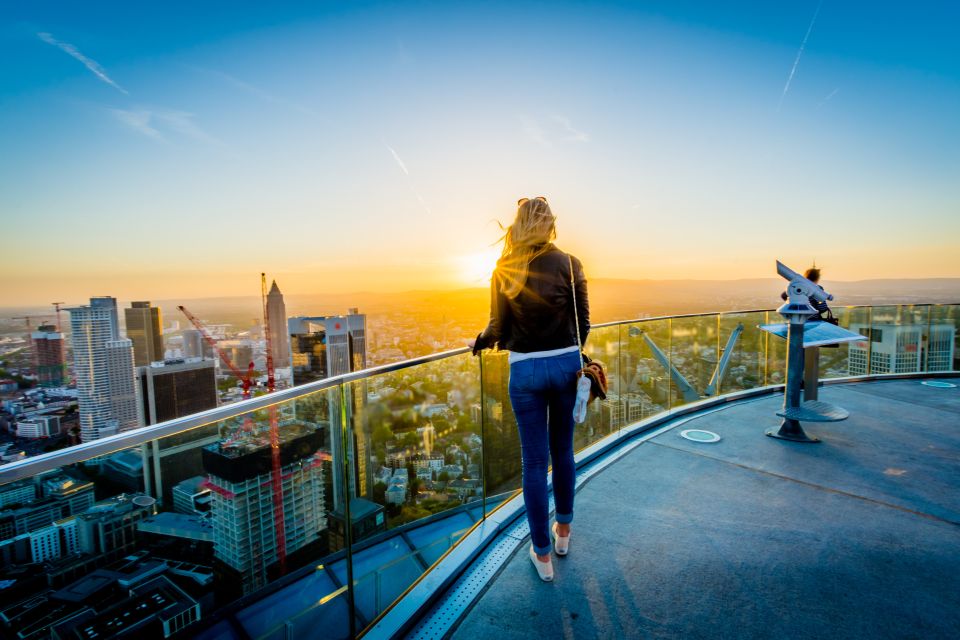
(381, 581)
(894, 347)
(834, 360)
(645, 371)
(775, 349)
(319, 598)
(742, 360)
(604, 417)
(942, 347)
(501, 439)
(415, 436)
(694, 355)
(415, 455)
(848, 358)
(210, 510)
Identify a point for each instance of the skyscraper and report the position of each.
(242, 511)
(103, 362)
(173, 388)
(277, 315)
(169, 390)
(325, 346)
(145, 329)
(49, 356)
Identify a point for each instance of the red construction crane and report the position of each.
(276, 477)
(246, 379)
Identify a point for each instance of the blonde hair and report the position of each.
(524, 240)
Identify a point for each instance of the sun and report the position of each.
(476, 268)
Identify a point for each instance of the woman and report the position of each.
(532, 316)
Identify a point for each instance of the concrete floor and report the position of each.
(751, 537)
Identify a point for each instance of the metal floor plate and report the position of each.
(467, 588)
(815, 411)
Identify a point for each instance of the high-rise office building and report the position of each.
(124, 396)
(325, 346)
(145, 329)
(279, 339)
(49, 356)
(896, 348)
(103, 363)
(939, 351)
(239, 474)
(173, 388)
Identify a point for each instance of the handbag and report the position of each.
(589, 369)
(830, 319)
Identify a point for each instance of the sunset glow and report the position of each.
(375, 147)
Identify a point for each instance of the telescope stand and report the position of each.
(790, 428)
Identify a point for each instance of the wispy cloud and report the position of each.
(829, 95)
(796, 60)
(572, 134)
(406, 172)
(138, 121)
(159, 123)
(92, 65)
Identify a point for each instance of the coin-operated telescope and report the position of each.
(797, 308)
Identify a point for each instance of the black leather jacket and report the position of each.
(540, 318)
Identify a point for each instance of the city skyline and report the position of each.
(672, 141)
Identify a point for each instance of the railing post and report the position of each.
(670, 362)
(719, 378)
(766, 349)
(483, 441)
(869, 340)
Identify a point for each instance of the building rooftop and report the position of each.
(854, 537)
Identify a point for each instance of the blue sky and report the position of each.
(160, 151)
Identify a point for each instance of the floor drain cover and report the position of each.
(939, 384)
(699, 435)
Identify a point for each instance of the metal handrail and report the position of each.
(79, 453)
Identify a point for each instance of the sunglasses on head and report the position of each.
(522, 200)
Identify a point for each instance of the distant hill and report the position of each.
(611, 299)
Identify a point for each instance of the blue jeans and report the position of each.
(542, 392)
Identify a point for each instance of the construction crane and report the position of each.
(56, 307)
(246, 379)
(275, 477)
(27, 320)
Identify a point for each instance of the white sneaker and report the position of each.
(544, 569)
(561, 544)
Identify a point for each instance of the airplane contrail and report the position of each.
(406, 172)
(396, 157)
(796, 60)
(89, 63)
